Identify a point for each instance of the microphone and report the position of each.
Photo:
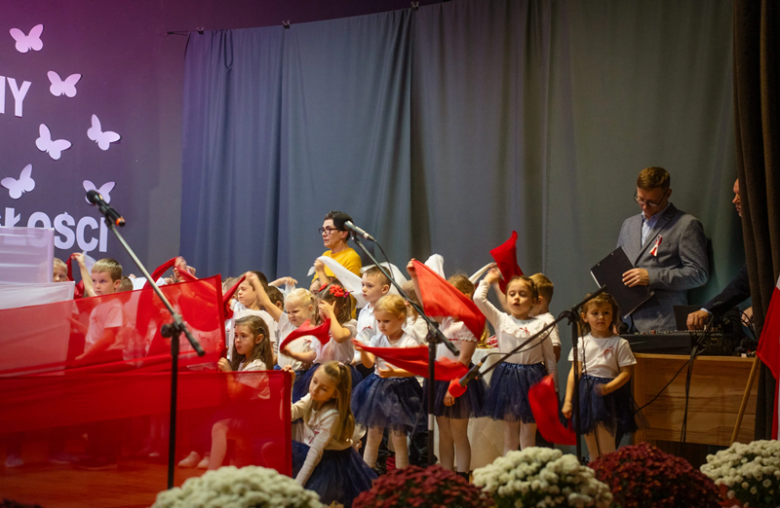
(95, 198)
(471, 374)
(358, 231)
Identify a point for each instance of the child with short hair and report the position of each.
(325, 461)
(507, 397)
(390, 397)
(542, 309)
(604, 361)
(375, 286)
(251, 352)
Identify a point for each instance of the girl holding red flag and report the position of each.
(390, 397)
(507, 397)
(452, 414)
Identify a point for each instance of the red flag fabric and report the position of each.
(415, 360)
(505, 256)
(321, 332)
(769, 345)
(117, 332)
(227, 296)
(440, 298)
(157, 273)
(544, 406)
(78, 291)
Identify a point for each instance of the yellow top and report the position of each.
(347, 258)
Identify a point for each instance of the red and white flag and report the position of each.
(769, 345)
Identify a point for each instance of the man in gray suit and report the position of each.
(668, 250)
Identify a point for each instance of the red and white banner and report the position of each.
(769, 345)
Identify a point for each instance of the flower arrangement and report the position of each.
(249, 487)
(748, 474)
(542, 477)
(432, 487)
(642, 476)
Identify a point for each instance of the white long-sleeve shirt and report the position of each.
(318, 433)
(511, 332)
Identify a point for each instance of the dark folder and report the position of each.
(610, 271)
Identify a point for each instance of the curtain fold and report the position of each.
(757, 122)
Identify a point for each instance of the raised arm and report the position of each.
(481, 298)
(339, 333)
(86, 277)
(265, 301)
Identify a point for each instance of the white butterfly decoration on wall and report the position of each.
(53, 147)
(27, 42)
(102, 138)
(103, 190)
(25, 183)
(65, 86)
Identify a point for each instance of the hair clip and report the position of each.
(338, 291)
(322, 287)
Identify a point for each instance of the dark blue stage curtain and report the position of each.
(443, 129)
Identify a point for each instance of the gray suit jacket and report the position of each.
(681, 264)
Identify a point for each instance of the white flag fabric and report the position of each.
(26, 255)
(13, 296)
(351, 282)
(436, 263)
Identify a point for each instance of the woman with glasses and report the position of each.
(336, 242)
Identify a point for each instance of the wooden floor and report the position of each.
(134, 484)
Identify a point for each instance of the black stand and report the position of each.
(573, 316)
(434, 336)
(172, 330)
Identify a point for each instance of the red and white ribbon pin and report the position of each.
(654, 251)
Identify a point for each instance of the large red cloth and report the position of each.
(227, 296)
(769, 346)
(65, 335)
(321, 332)
(440, 298)
(415, 360)
(505, 256)
(544, 406)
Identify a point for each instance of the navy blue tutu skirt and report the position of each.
(614, 410)
(507, 397)
(393, 403)
(301, 384)
(340, 476)
(468, 405)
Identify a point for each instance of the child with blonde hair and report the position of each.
(390, 397)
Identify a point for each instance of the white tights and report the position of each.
(399, 443)
(454, 444)
(518, 433)
(599, 442)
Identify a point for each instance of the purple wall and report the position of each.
(131, 79)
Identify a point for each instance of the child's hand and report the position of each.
(566, 410)
(319, 265)
(285, 352)
(359, 347)
(411, 269)
(449, 400)
(223, 365)
(284, 281)
(251, 278)
(288, 369)
(386, 372)
(79, 257)
(493, 275)
(326, 309)
(602, 390)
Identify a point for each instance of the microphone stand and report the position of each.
(434, 337)
(172, 330)
(573, 316)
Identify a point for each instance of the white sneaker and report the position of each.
(190, 460)
(204, 464)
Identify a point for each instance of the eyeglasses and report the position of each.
(327, 231)
(649, 204)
